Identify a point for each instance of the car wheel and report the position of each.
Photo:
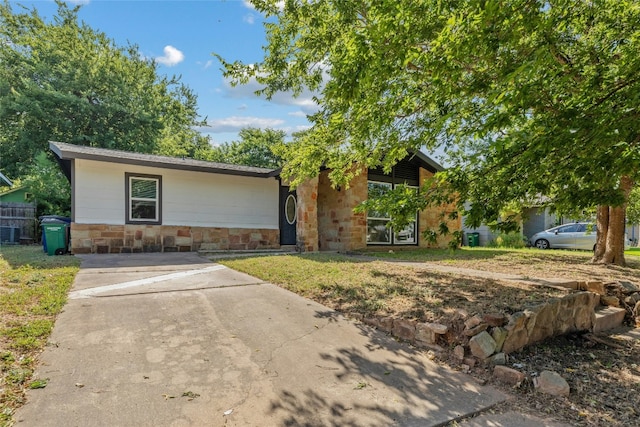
(542, 244)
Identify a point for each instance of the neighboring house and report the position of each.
(17, 213)
(15, 195)
(536, 219)
(125, 202)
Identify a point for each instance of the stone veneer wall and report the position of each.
(307, 224)
(339, 228)
(100, 238)
(430, 218)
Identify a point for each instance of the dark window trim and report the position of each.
(127, 180)
(392, 234)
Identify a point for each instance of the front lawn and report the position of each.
(33, 290)
(378, 288)
(528, 262)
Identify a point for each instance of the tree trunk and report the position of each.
(611, 224)
(602, 226)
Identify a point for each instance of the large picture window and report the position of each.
(377, 231)
(143, 193)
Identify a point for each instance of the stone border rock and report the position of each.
(494, 333)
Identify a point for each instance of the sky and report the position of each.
(181, 37)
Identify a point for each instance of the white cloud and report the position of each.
(249, 5)
(78, 2)
(297, 114)
(304, 101)
(242, 107)
(205, 65)
(172, 56)
(249, 18)
(236, 123)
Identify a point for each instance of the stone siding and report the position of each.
(339, 228)
(307, 225)
(131, 238)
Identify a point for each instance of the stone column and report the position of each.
(307, 225)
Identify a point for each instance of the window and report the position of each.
(290, 209)
(143, 193)
(569, 228)
(377, 230)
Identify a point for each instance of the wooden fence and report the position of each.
(18, 222)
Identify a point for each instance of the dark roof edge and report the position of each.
(68, 152)
(437, 167)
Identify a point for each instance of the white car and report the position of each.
(579, 235)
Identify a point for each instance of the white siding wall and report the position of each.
(188, 198)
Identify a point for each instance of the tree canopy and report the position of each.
(63, 80)
(528, 98)
(255, 148)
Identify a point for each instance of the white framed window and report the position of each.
(143, 194)
(377, 231)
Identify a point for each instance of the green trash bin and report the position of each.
(473, 239)
(56, 235)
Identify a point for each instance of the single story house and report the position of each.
(124, 202)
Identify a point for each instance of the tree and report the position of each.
(528, 98)
(48, 186)
(64, 81)
(255, 148)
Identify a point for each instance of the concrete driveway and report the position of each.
(174, 340)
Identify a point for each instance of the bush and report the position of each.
(508, 240)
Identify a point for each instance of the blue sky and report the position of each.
(181, 36)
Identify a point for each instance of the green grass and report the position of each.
(33, 290)
(632, 252)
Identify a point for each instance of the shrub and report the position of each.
(508, 240)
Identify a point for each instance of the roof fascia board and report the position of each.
(63, 154)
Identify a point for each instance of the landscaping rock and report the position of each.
(499, 335)
(498, 359)
(470, 332)
(610, 301)
(458, 352)
(482, 345)
(438, 328)
(517, 336)
(470, 361)
(385, 324)
(371, 321)
(608, 318)
(404, 329)
(473, 322)
(597, 287)
(550, 382)
(636, 309)
(508, 375)
(424, 334)
(494, 319)
(628, 287)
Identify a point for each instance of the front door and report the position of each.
(288, 216)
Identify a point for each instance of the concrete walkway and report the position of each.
(174, 340)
